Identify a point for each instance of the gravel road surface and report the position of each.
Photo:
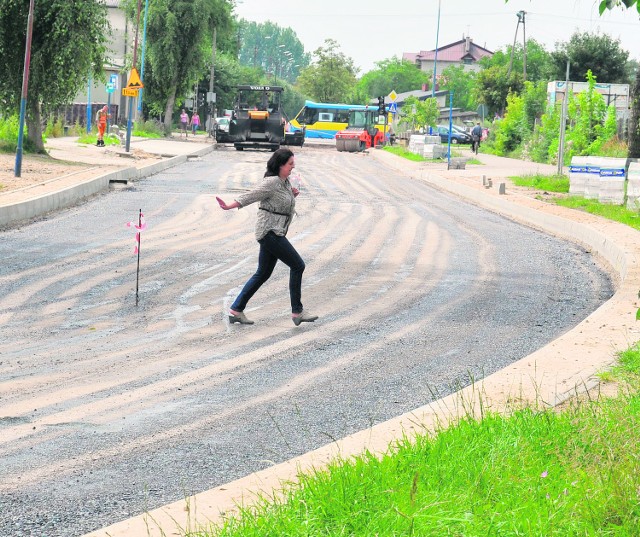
(108, 409)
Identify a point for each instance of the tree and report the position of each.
(540, 64)
(462, 82)
(392, 74)
(68, 45)
(179, 43)
(420, 114)
(493, 86)
(274, 49)
(331, 78)
(634, 128)
(586, 51)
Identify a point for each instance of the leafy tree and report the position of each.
(493, 87)
(331, 78)
(522, 113)
(634, 130)
(540, 65)
(274, 49)
(599, 53)
(455, 78)
(179, 43)
(420, 114)
(68, 44)
(392, 74)
(611, 4)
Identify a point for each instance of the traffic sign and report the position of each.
(129, 92)
(134, 81)
(392, 96)
(393, 108)
(110, 88)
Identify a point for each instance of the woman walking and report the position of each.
(277, 205)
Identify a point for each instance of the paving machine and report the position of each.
(361, 132)
(257, 119)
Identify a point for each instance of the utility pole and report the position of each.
(131, 99)
(212, 103)
(520, 15)
(524, 48)
(17, 171)
(563, 121)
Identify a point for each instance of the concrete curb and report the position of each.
(53, 201)
(548, 376)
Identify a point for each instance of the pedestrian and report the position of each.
(101, 120)
(184, 122)
(277, 205)
(476, 136)
(195, 122)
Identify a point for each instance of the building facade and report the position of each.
(463, 53)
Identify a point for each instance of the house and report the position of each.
(464, 52)
(95, 92)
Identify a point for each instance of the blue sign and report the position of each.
(112, 85)
(393, 108)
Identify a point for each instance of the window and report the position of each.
(325, 116)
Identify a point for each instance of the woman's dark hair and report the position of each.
(279, 158)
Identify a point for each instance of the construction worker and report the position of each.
(101, 120)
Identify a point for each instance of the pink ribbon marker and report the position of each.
(138, 228)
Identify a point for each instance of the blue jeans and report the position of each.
(273, 248)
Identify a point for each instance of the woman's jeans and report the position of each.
(273, 248)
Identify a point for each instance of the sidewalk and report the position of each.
(81, 170)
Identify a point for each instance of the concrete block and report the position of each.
(457, 163)
(434, 151)
(612, 180)
(502, 189)
(633, 185)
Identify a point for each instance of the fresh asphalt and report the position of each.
(494, 292)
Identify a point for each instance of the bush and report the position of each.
(54, 128)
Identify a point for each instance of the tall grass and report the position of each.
(9, 127)
(532, 473)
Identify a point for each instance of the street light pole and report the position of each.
(435, 59)
(144, 47)
(25, 84)
(131, 99)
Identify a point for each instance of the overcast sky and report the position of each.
(373, 30)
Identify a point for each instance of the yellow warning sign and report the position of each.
(134, 80)
(129, 92)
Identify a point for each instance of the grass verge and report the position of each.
(550, 183)
(617, 213)
(533, 473)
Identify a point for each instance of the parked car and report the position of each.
(222, 123)
(458, 136)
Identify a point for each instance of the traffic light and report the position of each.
(201, 99)
(381, 108)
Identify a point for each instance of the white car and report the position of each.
(222, 123)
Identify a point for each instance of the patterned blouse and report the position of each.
(277, 205)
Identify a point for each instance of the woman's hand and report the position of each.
(295, 192)
(226, 207)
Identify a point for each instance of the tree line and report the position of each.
(71, 39)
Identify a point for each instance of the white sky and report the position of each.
(373, 30)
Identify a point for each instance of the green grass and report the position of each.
(550, 183)
(617, 213)
(533, 473)
(404, 153)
